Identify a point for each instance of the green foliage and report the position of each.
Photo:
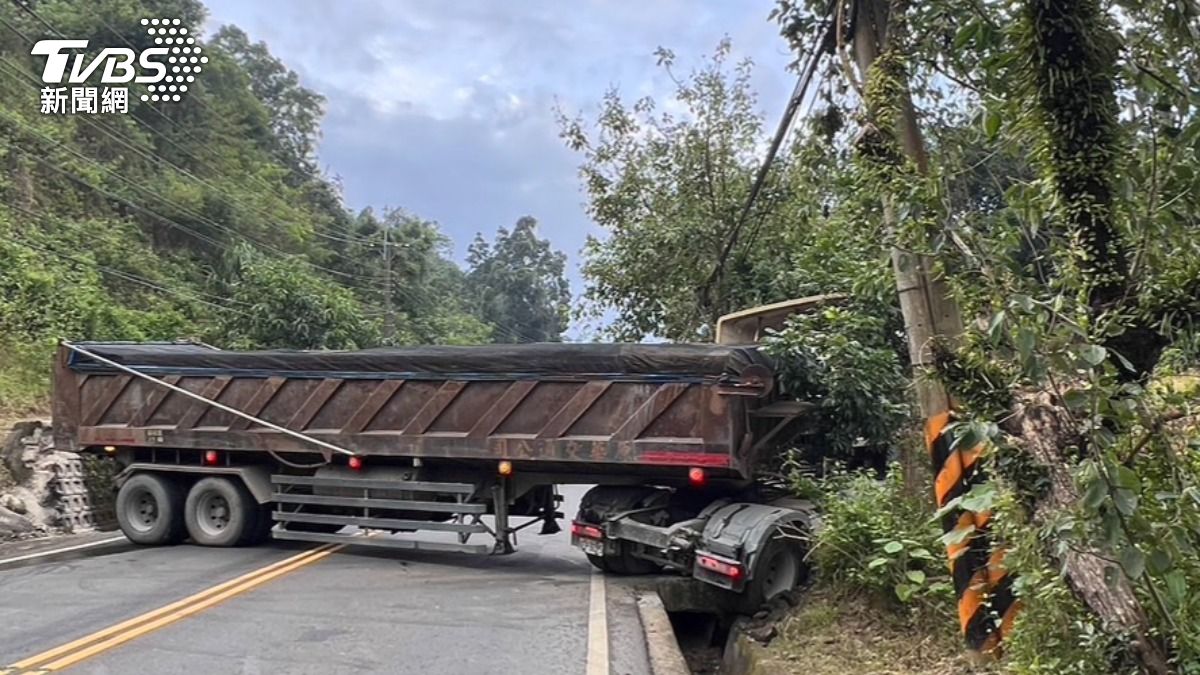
(206, 218)
(875, 538)
(669, 187)
(1054, 632)
(288, 308)
(841, 359)
(25, 377)
(1061, 208)
(517, 284)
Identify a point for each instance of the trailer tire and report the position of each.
(220, 512)
(599, 562)
(603, 501)
(150, 510)
(261, 530)
(778, 569)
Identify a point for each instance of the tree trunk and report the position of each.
(1043, 429)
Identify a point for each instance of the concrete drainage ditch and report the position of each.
(706, 633)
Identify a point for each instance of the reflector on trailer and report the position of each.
(579, 529)
(505, 468)
(355, 463)
(697, 477)
(211, 457)
(728, 569)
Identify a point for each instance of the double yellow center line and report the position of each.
(71, 653)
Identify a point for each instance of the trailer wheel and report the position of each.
(260, 531)
(602, 501)
(779, 569)
(150, 510)
(220, 512)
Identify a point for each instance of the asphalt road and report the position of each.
(355, 611)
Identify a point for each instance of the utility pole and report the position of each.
(931, 314)
(389, 309)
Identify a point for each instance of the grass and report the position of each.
(834, 633)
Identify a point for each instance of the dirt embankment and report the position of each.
(831, 633)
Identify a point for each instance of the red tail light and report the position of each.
(211, 457)
(726, 569)
(579, 529)
(355, 463)
(697, 477)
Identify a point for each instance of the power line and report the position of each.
(785, 124)
(145, 155)
(407, 295)
(199, 101)
(506, 331)
(371, 281)
(179, 207)
(194, 296)
(142, 152)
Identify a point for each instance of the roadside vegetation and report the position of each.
(210, 218)
(1054, 191)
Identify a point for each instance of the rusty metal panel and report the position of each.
(590, 422)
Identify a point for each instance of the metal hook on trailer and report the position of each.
(219, 406)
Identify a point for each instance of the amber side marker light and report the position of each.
(505, 468)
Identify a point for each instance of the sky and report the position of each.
(447, 109)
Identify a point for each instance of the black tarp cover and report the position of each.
(668, 361)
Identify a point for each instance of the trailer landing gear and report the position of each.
(502, 533)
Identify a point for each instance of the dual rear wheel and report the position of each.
(155, 509)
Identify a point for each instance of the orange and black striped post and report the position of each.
(981, 584)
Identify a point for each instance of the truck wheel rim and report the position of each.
(781, 574)
(142, 511)
(212, 513)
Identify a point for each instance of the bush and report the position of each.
(25, 377)
(876, 539)
(843, 360)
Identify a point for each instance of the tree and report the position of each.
(1066, 337)
(667, 188)
(295, 111)
(517, 284)
(205, 217)
(287, 308)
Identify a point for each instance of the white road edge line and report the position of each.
(56, 551)
(597, 644)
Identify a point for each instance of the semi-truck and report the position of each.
(435, 448)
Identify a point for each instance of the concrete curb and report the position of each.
(744, 656)
(661, 645)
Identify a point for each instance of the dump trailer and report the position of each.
(435, 448)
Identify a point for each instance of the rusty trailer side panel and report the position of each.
(577, 424)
